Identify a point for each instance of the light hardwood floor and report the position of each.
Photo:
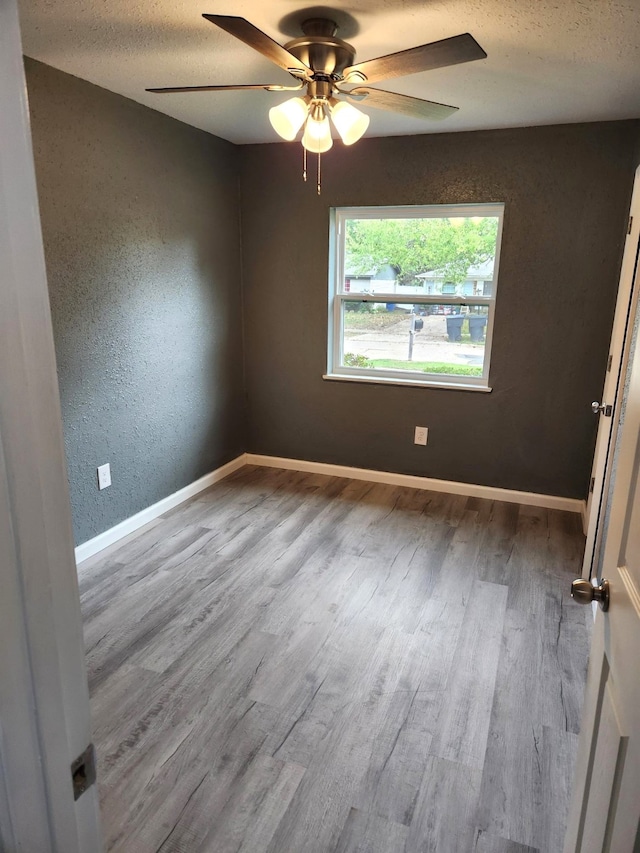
(294, 663)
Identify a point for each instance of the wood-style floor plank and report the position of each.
(369, 833)
(255, 808)
(491, 844)
(446, 808)
(293, 663)
(512, 771)
(463, 720)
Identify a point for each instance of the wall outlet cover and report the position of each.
(104, 476)
(420, 436)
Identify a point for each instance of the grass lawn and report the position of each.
(428, 366)
(378, 320)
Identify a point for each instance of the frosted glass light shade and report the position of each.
(350, 122)
(287, 119)
(317, 135)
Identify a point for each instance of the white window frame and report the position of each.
(337, 296)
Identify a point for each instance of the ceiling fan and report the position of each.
(324, 65)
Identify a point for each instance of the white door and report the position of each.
(605, 809)
(44, 702)
(611, 394)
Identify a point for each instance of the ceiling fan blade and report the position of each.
(405, 104)
(268, 86)
(425, 57)
(255, 38)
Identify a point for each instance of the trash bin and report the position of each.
(454, 326)
(418, 324)
(391, 306)
(477, 322)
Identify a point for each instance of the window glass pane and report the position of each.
(420, 256)
(440, 339)
(394, 257)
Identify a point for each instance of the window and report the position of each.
(412, 294)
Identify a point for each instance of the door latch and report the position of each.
(601, 409)
(83, 771)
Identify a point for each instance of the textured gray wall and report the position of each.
(566, 190)
(141, 231)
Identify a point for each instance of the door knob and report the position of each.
(584, 592)
(601, 409)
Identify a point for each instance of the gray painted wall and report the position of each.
(566, 190)
(141, 232)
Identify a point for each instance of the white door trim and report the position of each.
(44, 702)
(619, 351)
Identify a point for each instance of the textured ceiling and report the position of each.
(549, 61)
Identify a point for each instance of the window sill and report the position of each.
(416, 383)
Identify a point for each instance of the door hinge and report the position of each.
(83, 771)
(592, 484)
(609, 363)
(630, 225)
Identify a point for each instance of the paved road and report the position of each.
(430, 344)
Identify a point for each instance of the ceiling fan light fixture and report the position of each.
(320, 61)
(350, 122)
(287, 118)
(317, 132)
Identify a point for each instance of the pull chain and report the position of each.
(304, 169)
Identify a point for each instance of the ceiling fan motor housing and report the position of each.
(321, 62)
(319, 48)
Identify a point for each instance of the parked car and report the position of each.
(446, 309)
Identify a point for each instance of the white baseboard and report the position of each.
(130, 525)
(449, 486)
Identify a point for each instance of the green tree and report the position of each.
(414, 246)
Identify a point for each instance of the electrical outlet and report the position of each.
(421, 435)
(104, 476)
